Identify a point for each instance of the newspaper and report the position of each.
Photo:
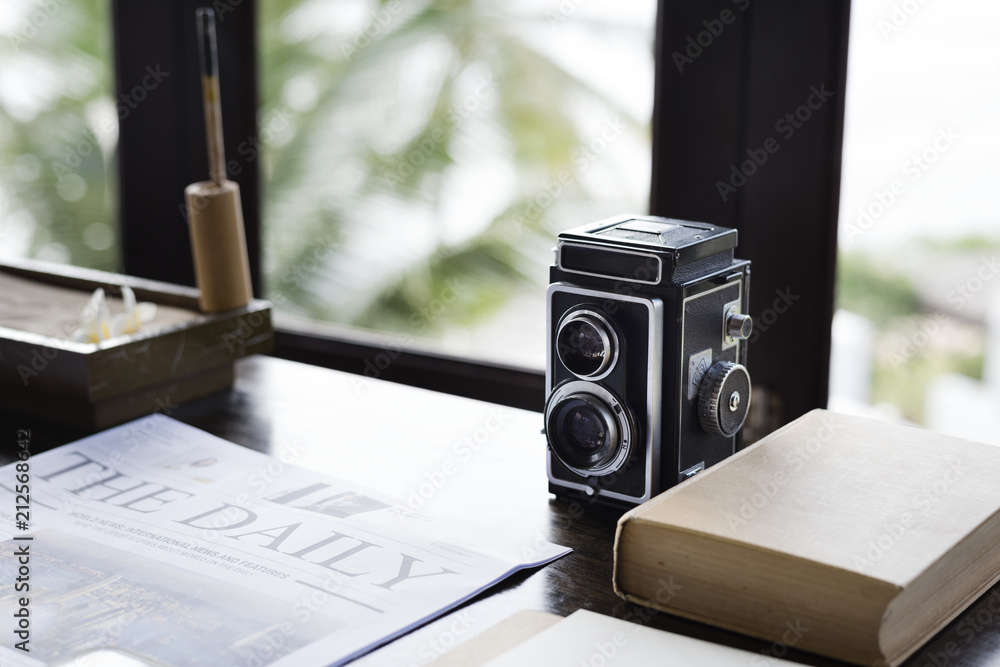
(159, 541)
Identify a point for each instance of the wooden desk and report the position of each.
(465, 457)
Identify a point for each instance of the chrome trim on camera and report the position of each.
(608, 330)
(731, 308)
(622, 426)
(653, 383)
(692, 471)
(659, 263)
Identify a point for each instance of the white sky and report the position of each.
(940, 69)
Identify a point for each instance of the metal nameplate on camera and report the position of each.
(698, 365)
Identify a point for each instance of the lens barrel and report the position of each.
(587, 345)
(588, 429)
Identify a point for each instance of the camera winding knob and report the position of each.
(724, 398)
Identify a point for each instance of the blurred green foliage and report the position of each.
(905, 385)
(419, 113)
(875, 286)
(58, 131)
(867, 286)
(972, 242)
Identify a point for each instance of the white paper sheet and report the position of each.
(584, 639)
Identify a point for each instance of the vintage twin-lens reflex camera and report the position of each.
(646, 376)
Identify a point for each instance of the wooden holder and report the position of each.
(218, 243)
(180, 356)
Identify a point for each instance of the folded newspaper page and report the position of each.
(157, 541)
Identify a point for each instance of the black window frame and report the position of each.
(746, 69)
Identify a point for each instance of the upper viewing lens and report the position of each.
(585, 345)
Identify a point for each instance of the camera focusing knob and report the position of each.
(724, 398)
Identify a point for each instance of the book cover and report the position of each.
(871, 535)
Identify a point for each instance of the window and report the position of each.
(918, 325)
(420, 157)
(58, 134)
(758, 67)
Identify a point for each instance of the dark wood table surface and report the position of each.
(397, 438)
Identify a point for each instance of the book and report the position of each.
(863, 537)
(498, 639)
(588, 638)
(157, 543)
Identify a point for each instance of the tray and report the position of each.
(180, 356)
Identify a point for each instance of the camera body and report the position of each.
(646, 377)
